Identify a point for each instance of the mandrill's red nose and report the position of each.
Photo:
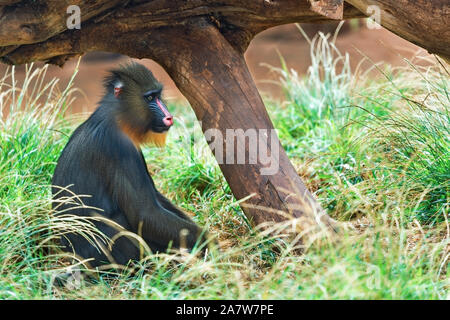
(168, 121)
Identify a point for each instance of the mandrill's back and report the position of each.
(84, 168)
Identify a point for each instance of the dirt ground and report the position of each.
(377, 44)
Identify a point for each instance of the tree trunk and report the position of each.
(216, 81)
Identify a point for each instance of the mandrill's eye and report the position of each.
(149, 97)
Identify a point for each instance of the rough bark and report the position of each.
(32, 27)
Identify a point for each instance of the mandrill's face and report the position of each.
(142, 115)
(161, 119)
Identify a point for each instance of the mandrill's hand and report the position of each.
(209, 243)
(202, 241)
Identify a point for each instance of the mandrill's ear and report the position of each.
(118, 88)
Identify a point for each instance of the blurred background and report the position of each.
(380, 45)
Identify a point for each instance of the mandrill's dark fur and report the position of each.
(103, 160)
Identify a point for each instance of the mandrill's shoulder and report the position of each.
(98, 139)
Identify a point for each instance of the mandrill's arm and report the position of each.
(170, 206)
(165, 203)
(140, 202)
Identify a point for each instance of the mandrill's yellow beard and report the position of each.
(148, 138)
(155, 138)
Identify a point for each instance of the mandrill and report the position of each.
(103, 163)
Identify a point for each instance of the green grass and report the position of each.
(394, 130)
(374, 150)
